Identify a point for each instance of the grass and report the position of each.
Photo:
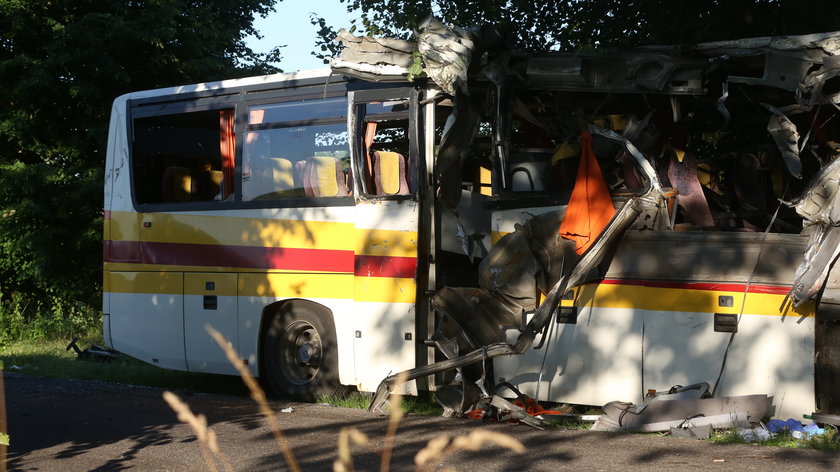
(424, 404)
(830, 441)
(51, 359)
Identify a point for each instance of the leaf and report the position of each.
(4, 439)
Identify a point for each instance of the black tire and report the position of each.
(299, 351)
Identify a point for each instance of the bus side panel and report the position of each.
(385, 291)
(592, 362)
(773, 355)
(150, 322)
(209, 301)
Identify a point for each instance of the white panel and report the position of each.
(399, 215)
(149, 327)
(681, 348)
(203, 353)
(593, 362)
(337, 214)
(773, 355)
(382, 349)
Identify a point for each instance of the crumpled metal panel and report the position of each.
(820, 206)
(446, 52)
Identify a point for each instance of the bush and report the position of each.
(27, 318)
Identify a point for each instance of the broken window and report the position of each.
(385, 165)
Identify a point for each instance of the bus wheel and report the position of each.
(300, 351)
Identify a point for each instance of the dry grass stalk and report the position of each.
(442, 447)
(393, 422)
(206, 436)
(344, 463)
(258, 396)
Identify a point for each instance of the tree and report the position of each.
(542, 25)
(61, 65)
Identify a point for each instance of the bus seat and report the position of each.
(281, 173)
(389, 173)
(209, 184)
(177, 184)
(323, 177)
(683, 177)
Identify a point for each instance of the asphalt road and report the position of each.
(74, 425)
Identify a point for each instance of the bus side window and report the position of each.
(296, 149)
(385, 164)
(184, 157)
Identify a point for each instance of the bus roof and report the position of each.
(229, 83)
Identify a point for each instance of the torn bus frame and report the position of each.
(806, 67)
(651, 202)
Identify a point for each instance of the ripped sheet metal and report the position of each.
(658, 415)
(820, 206)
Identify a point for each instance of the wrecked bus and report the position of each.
(583, 227)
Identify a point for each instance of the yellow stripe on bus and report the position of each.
(380, 242)
(230, 231)
(164, 283)
(296, 285)
(385, 290)
(218, 230)
(678, 299)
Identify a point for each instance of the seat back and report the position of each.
(323, 177)
(389, 173)
(177, 184)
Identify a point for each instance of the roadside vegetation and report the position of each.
(830, 441)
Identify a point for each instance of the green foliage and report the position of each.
(61, 66)
(578, 24)
(25, 318)
(829, 441)
(416, 69)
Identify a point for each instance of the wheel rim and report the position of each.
(300, 353)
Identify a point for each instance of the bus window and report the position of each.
(385, 166)
(184, 157)
(296, 150)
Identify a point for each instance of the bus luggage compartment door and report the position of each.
(209, 300)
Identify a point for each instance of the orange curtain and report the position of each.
(370, 134)
(227, 144)
(590, 206)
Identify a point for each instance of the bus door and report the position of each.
(386, 157)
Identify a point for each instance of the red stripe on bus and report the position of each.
(712, 286)
(385, 266)
(246, 257)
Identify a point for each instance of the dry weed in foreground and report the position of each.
(259, 396)
(344, 463)
(206, 436)
(442, 447)
(393, 422)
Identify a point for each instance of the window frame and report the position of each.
(415, 161)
